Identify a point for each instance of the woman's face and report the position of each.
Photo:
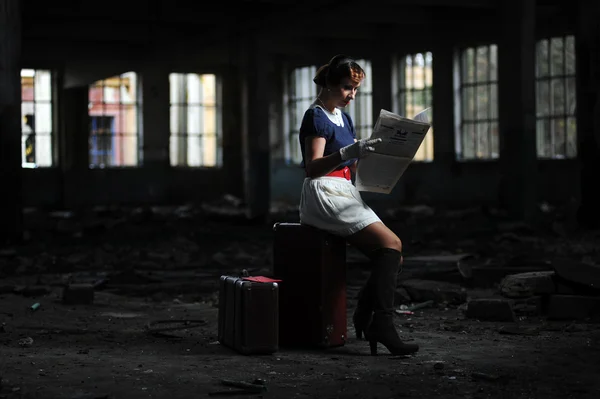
(345, 92)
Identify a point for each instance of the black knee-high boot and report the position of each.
(381, 286)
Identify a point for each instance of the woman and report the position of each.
(329, 201)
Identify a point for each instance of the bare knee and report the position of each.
(396, 244)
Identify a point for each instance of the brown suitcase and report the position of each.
(312, 295)
(248, 315)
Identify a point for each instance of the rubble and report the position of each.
(582, 273)
(437, 291)
(524, 285)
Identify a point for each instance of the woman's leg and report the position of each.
(384, 249)
(374, 236)
(367, 240)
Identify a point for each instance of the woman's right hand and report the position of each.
(359, 148)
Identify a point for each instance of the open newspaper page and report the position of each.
(379, 171)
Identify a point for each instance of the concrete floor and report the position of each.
(163, 264)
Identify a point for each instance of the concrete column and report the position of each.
(155, 118)
(155, 131)
(256, 95)
(587, 49)
(11, 216)
(233, 153)
(381, 69)
(516, 92)
(74, 145)
(443, 106)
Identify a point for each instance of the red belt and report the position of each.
(345, 173)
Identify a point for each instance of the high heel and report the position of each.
(386, 334)
(373, 346)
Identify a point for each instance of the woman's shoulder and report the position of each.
(314, 111)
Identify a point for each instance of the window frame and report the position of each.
(550, 117)
(490, 84)
(218, 105)
(399, 91)
(138, 107)
(54, 121)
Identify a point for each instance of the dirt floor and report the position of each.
(163, 264)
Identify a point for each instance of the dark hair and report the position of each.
(339, 67)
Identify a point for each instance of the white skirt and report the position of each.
(334, 204)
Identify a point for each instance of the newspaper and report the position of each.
(379, 171)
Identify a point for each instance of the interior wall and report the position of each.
(445, 182)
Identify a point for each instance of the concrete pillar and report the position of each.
(233, 153)
(381, 69)
(256, 95)
(443, 107)
(587, 49)
(74, 145)
(516, 96)
(155, 118)
(11, 216)
(156, 131)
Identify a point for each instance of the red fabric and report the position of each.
(345, 173)
(261, 279)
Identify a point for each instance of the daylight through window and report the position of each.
(477, 133)
(195, 120)
(302, 92)
(113, 110)
(361, 108)
(414, 77)
(36, 118)
(556, 126)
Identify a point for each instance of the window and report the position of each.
(555, 98)
(361, 109)
(36, 118)
(477, 116)
(195, 120)
(302, 92)
(114, 122)
(414, 77)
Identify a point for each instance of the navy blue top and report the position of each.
(316, 123)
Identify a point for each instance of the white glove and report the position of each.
(358, 149)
